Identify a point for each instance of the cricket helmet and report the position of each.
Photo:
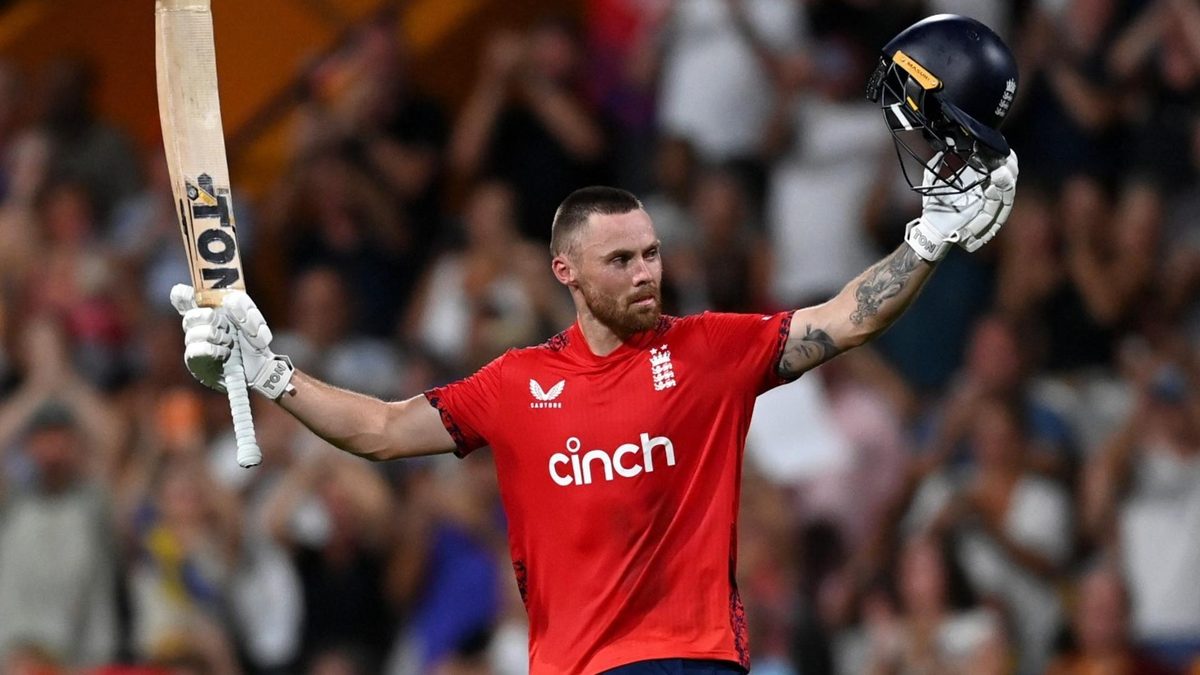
(946, 84)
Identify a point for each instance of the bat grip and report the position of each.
(248, 454)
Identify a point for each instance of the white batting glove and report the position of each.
(209, 334)
(970, 219)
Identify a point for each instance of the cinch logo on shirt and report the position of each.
(545, 399)
(627, 461)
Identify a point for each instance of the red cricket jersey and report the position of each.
(620, 477)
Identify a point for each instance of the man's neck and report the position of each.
(601, 339)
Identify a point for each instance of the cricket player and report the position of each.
(618, 443)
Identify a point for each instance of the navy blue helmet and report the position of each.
(945, 84)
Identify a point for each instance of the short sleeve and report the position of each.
(749, 345)
(470, 406)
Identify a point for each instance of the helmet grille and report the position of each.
(942, 156)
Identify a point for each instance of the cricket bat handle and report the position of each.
(248, 454)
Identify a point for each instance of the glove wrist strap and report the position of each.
(930, 248)
(275, 379)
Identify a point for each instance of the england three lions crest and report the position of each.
(661, 369)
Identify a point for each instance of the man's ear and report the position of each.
(564, 270)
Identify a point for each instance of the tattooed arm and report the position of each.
(873, 301)
(861, 311)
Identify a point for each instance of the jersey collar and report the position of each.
(575, 345)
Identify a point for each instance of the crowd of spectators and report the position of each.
(1008, 481)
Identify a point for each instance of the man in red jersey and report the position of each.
(618, 443)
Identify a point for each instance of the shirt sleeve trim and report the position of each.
(785, 329)
(462, 449)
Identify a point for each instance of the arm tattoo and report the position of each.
(886, 279)
(800, 354)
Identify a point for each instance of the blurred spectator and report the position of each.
(331, 513)
(1037, 287)
(1158, 56)
(143, 234)
(527, 124)
(361, 96)
(731, 250)
(829, 144)
(1142, 495)
(718, 62)
(322, 340)
(1068, 128)
(936, 625)
(622, 40)
(1100, 636)
(333, 213)
(58, 557)
(675, 173)
(447, 570)
(1077, 268)
(77, 282)
(1112, 259)
(1012, 527)
(1161, 51)
(784, 457)
(998, 365)
(83, 148)
(854, 493)
(492, 294)
(768, 568)
(185, 536)
(722, 264)
(265, 598)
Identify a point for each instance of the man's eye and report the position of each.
(652, 253)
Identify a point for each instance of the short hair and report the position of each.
(580, 205)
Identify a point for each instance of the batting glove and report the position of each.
(208, 338)
(970, 219)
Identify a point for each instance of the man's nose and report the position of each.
(642, 274)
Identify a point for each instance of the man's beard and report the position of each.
(619, 314)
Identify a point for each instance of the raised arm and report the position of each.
(358, 424)
(366, 426)
(862, 310)
(876, 298)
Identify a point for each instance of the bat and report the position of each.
(190, 112)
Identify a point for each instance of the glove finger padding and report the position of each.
(210, 334)
(250, 321)
(998, 201)
(205, 316)
(183, 298)
(266, 372)
(207, 343)
(207, 338)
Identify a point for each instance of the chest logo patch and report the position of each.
(543, 398)
(661, 369)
